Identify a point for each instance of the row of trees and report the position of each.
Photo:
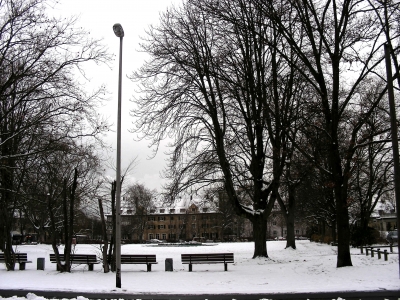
(49, 128)
(277, 101)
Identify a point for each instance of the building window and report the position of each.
(151, 236)
(171, 218)
(150, 227)
(275, 232)
(152, 211)
(297, 231)
(129, 211)
(150, 218)
(205, 209)
(193, 217)
(161, 218)
(171, 226)
(194, 225)
(157, 236)
(162, 210)
(161, 226)
(125, 223)
(193, 209)
(172, 210)
(274, 223)
(182, 210)
(164, 236)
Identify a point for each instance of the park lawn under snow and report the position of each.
(310, 268)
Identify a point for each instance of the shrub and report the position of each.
(360, 236)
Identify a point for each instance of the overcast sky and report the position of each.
(98, 17)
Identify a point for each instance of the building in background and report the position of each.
(193, 218)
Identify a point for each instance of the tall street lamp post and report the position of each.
(119, 32)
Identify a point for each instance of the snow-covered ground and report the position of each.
(310, 268)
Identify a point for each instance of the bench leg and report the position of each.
(22, 266)
(226, 267)
(148, 267)
(90, 267)
(190, 267)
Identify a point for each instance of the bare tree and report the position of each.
(339, 45)
(42, 102)
(212, 84)
(141, 200)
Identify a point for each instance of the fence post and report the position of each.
(366, 251)
(372, 252)
(391, 248)
(385, 254)
(362, 251)
(379, 253)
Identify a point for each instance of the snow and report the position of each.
(310, 268)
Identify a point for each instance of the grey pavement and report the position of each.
(347, 295)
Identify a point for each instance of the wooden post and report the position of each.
(362, 251)
(379, 253)
(366, 251)
(372, 252)
(385, 254)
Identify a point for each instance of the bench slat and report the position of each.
(20, 257)
(77, 258)
(146, 259)
(207, 258)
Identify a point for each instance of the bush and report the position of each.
(361, 237)
(328, 239)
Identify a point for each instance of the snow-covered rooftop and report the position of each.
(179, 206)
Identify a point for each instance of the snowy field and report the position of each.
(310, 268)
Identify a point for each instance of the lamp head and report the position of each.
(118, 30)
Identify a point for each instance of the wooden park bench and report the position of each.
(21, 258)
(210, 258)
(147, 259)
(78, 259)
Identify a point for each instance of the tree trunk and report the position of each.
(7, 208)
(67, 239)
(70, 228)
(343, 234)
(288, 213)
(106, 266)
(290, 237)
(334, 237)
(6, 239)
(260, 236)
(60, 266)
